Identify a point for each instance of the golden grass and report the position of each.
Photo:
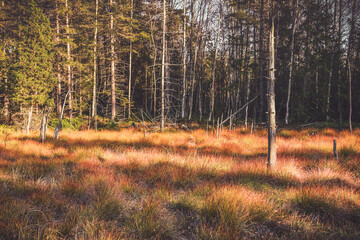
(180, 185)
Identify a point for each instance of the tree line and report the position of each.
(191, 60)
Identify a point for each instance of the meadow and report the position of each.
(179, 185)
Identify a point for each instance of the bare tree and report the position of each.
(93, 113)
(352, 29)
(163, 69)
(212, 103)
(295, 4)
(261, 60)
(57, 39)
(184, 63)
(130, 61)
(68, 47)
(112, 42)
(271, 103)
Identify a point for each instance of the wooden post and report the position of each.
(217, 129)
(335, 151)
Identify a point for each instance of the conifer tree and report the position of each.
(31, 72)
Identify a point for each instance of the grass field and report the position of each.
(179, 185)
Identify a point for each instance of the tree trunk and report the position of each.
(154, 84)
(214, 64)
(29, 120)
(68, 57)
(130, 62)
(58, 92)
(184, 64)
(112, 42)
(163, 69)
(93, 114)
(43, 126)
(331, 69)
(261, 61)
(294, 25)
(191, 100)
(247, 98)
(352, 28)
(271, 104)
(248, 79)
(350, 98)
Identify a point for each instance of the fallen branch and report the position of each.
(240, 109)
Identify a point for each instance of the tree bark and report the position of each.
(214, 64)
(261, 61)
(58, 90)
(130, 61)
(352, 28)
(29, 120)
(163, 69)
(271, 104)
(113, 86)
(69, 80)
(184, 63)
(93, 112)
(350, 98)
(294, 26)
(331, 69)
(43, 126)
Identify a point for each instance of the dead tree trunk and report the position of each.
(271, 104)
(130, 61)
(261, 61)
(68, 47)
(184, 64)
(162, 125)
(58, 92)
(350, 98)
(214, 64)
(29, 120)
(93, 114)
(294, 25)
(43, 126)
(247, 98)
(352, 28)
(112, 42)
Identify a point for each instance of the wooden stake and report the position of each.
(335, 151)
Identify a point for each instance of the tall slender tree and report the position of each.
(163, 69)
(271, 103)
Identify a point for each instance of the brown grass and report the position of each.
(180, 185)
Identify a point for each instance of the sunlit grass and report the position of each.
(180, 185)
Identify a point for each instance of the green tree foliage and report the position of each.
(31, 76)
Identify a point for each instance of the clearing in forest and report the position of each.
(179, 185)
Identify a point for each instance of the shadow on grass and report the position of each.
(178, 176)
(310, 154)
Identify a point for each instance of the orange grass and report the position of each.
(180, 185)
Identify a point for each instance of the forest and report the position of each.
(179, 119)
(193, 60)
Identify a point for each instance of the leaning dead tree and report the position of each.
(271, 103)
